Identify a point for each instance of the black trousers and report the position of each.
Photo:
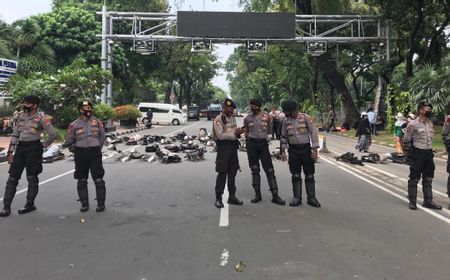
(300, 158)
(88, 159)
(422, 164)
(227, 165)
(28, 155)
(259, 151)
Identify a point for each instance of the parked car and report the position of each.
(214, 109)
(193, 113)
(162, 113)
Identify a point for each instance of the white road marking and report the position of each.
(224, 257)
(73, 170)
(224, 217)
(403, 198)
(395, 176)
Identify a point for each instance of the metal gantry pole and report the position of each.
(104, 51)
(109, 92)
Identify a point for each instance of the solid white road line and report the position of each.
(224, 217)
(73, 170)
(395, 176)
(431, 212)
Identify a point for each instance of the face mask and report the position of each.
(27, 108)
(254, 111)
(428, 114)
(87, 113)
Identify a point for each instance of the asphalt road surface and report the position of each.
(161, 223)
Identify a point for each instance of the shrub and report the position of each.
(65, 116)
(126, 112)
(104, 112)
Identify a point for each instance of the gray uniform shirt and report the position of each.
(86, 134)
(257, 126)
(29, 128)
(446, 128)
(420, 134)
(299, 131)
(224, 131)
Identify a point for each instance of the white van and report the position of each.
(162, 113)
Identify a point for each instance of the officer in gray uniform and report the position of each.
(300, 135)
(25, 151)
(87, 136)
(417, 146)
(256, 126)
(446, 138)
(226, 133)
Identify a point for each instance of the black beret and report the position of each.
(256, 102)
(423, 104)
(229, 103)
(289, 106)
(84, 103)
(32, 99)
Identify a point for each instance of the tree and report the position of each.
(431, 83)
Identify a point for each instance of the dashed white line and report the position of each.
(224, 212)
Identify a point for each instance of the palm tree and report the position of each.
(24, 34)
(431, 83)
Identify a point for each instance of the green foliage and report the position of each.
(432, 83)
(104, 112)
(126, 112)
(64, 116)
(63, 89)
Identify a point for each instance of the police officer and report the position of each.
(446, 138)
(256, 126)
(300, 135)
(87, 135)
(25, 151)
(418, 142)
(226, 133)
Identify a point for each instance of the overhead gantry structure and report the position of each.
(255, 30)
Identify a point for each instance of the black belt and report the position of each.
(299, 146)
(258, 140)
(88, 148)
(422, 150)
(226, 142)
(29, 143)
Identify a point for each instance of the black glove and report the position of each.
(408, 149)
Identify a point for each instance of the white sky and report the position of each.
(12, 10)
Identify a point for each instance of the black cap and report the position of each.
(84, 103)
(423, 104)
(256, 102)
(229, 103)
(32, 99)
(289, 106)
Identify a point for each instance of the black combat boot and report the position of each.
(428, 195)
(412, 193)
(448, 190)
(256, 182)
(10, 191)
(29, 207)
(218, 203)
(83, 194)
(297, 190)
(6, 211)
(258, 197)
(311, 191)
(232, 199)
(101, 194)
(33, 188)
(272, 180)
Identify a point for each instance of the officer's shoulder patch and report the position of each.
(46, 122)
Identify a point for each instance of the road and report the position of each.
(161, 223)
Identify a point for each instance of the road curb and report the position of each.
(115, 134)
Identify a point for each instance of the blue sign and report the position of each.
(7, 69)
